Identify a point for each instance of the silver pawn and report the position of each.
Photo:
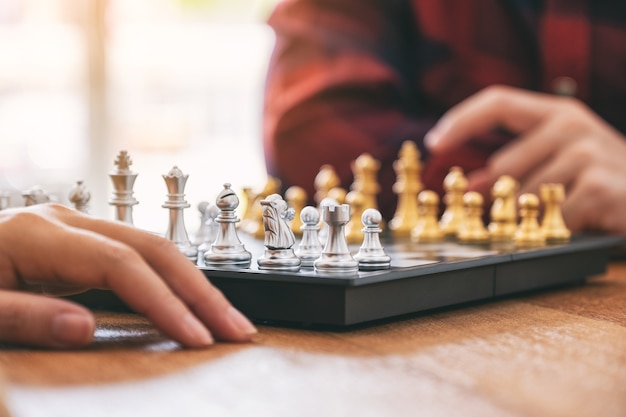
(371, 255)
(210, 226)
(227, 251)
(79, 196)
(202, 230)
(310, 247)
(123, 180)
(336, 255)
(279, 237)
(175, 181)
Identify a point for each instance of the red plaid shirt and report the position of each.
(354, 76)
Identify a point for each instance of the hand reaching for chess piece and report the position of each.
(559, 140)
(53, 250)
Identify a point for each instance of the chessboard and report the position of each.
(422, 277)
(339, 264)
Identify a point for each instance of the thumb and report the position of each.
(38, 320)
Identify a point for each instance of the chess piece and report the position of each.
(123, 181)
(80, 196)
(202, 209)
(279, 237)
(210, 228)
(503, 224)
(252, 221)
(354, 231)
(325, 180)
(175, 182)
(227, 251)
(35, 195)
(338, 194)
(371, 255)
(472, 230)
(296, 198)
(408, 184)
(365, 170)
(553, 226)
(323, 233)
(310, 247)
(455, 186)
(336, 257)
(427, 229)
(529, 233)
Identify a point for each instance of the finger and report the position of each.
(564, 167)
(182, 277)
(596, 202)
(42, 321)
(513, 109)
(96, 261)
(522, 156)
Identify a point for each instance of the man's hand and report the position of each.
(559, 140)
(51, 249)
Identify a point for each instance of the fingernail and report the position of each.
(72, 329)
(434, 135)
(197, 331)
(431, 138)
(241, 322)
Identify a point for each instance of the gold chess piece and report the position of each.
(353, 229)
(252, 219)
(365, 171)
(325, 180)
(407, 186)
(503, 212)
(338, 194)
(296, 198)
(553, 225)
(529, 232)
(455, 186)
(472, 230)
(427, 229)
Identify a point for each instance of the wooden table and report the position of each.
(557, 353)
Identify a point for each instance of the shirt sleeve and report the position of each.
(340, 83)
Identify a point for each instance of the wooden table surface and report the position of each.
(556, 353)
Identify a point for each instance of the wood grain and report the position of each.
(554, 353)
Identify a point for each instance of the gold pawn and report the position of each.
(427, 229)
(553, 225)
(473, 231)
(455, 185)
(356, 201)
(529, 232)
(503, 212)
(325, 180)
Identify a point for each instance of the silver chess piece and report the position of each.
(175, 181)
(123, 180)
(310, 247)
(35, 195)
(336, 255)
(371, 255)
(323, 232)
(210, 228)
(79, 196)
(227, 251)
(279, 238)
(202, 230)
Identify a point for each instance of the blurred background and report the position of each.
(173, 82)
